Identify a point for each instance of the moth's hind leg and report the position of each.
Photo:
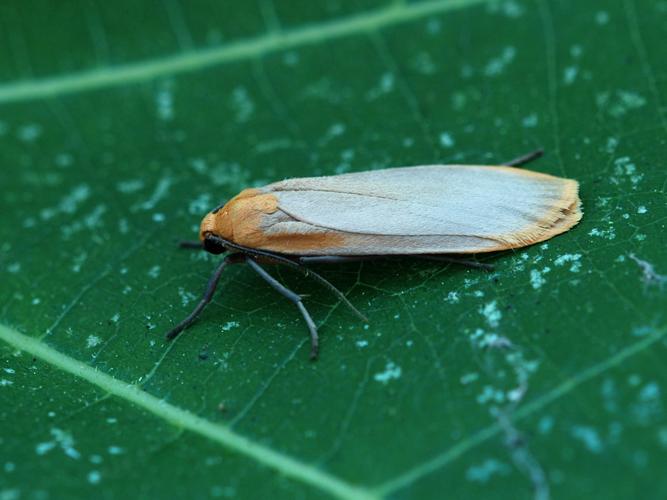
(527, 158)
(335, 259)
(342, 259)
(296, 299)
(457, 260)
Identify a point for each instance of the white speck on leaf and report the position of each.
(94, 477)
(229, 325)
(601, 17)
(200, 205)
(433, 26)
(573, 258)
(424, 64)
(391, 372)
(446, 140)
(570, 75)
(509, 8)
(164, 101)
(612, 144)
(492, 314)
(607, 234)
(362, 343)
(93, 341)
(242, 104)
(160, 192)
(69, 204)
(62, 439)
(537, 278)
(291, 58)
(384, 86)
(335, 130)
(497, 65)
(490, 394)
(529, 121)
(29, 133)
(618, 103)
(545, 424)
(44, 448)
(589, 437)
(486, 470)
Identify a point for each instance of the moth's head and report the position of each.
(214, 227)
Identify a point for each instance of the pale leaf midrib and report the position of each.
(291, 467)
(246, 49)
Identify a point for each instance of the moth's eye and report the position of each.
(212, 245)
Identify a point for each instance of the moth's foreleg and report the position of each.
(208, 295)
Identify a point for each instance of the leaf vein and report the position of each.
(183, 419)
(249, 48)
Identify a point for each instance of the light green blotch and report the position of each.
(492, 314)
(537, 278)
(602, 17)
(483, 472)
(446, 140)
(589, 437)
(497, 65)
(529, 121)
(570, 75)
(509, 8)
(242, 104)
(620, 102)
(391, 372)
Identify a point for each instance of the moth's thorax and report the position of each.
(240, 218)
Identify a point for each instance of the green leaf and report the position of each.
(121, 124)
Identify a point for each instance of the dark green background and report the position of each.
(121, 123)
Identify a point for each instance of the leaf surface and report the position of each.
(121, 125)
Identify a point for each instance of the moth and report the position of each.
(432, 211)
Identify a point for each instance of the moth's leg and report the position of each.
(527, 158)
(191, 244)
(306, 271)
(208, 295)
(342, 259)
(335, 259)
(457, 260)
(296, 299)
